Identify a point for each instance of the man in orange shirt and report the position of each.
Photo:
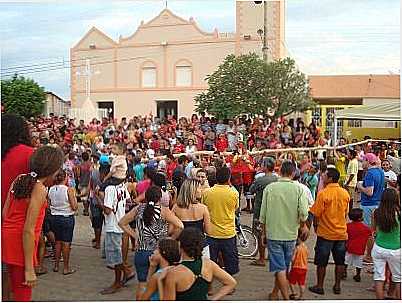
(330, 211)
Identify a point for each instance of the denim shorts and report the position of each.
(141, 261)
(280, 254)
(367, 213)
(228, 248)
(63, 227)
(113, 248)
(324, 247)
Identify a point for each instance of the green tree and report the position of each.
(22, 96)
(247, 85)
(289, 90)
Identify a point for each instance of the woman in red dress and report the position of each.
(22, 219)
(16, 150)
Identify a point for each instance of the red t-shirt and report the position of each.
(170, 169)
(358, 234)
(221, 145)
(15, 163)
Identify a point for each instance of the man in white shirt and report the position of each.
(390, 176)
(114, 207)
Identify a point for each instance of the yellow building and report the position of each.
(345, 91)
(162, 66)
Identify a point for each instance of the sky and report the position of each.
(323, 36)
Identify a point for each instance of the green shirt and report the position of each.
(391, 240)
(257, 188)
(284, 206)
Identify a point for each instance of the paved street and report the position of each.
(254, 283)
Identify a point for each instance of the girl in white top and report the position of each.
(63, 204)
(191, 148)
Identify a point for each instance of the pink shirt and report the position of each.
(143, 186)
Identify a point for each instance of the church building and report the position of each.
(162, 66)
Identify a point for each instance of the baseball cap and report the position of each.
(370, 158)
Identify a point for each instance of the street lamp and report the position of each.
(261, 32)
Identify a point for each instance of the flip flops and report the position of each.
(316, 290)
(109, 291)
(125, 280)
(70, 272)
(336, 290)
(256, 263)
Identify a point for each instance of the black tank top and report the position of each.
(199, 289)
(199, 224)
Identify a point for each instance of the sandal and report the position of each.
(292, 297)
(70, 272)
(257, 263)
(41, 272)
(125, 280)
(109, 290)
(316, 290)
(55, 269)
(337, 291)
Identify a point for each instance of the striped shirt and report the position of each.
(150, 235)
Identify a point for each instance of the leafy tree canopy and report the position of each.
(247, 85)
(22, 96)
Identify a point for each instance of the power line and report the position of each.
(45, 68)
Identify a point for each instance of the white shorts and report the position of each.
(382, 256)
(205, 252)
(354, 260)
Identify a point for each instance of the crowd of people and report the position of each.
(173, 190)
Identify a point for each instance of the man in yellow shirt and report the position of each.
(222, 201)
(330, 211)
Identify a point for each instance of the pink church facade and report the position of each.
(162, 66)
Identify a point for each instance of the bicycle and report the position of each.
(247, 242)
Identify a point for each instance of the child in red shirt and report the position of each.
(298, 271)
(358, 234)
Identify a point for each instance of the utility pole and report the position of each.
(265, 38)
(264, 32)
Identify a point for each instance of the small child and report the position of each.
(298, 271)
(118, 169)
(358, 234)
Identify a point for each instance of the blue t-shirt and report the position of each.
(374, 177)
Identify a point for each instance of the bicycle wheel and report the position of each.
(247, 245)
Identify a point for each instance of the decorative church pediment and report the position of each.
(166, 27)
(93, 39)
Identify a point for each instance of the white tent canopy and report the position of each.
(380, 112)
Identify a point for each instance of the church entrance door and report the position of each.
(165, 108)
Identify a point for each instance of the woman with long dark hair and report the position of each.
(190, 280)
(152, 221)
(22, 219)
(387, 248)
(16, 151)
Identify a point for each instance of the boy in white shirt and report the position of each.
(114, 207)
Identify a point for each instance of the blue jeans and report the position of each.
(367, 213)
(280, 254)
(141, 261)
